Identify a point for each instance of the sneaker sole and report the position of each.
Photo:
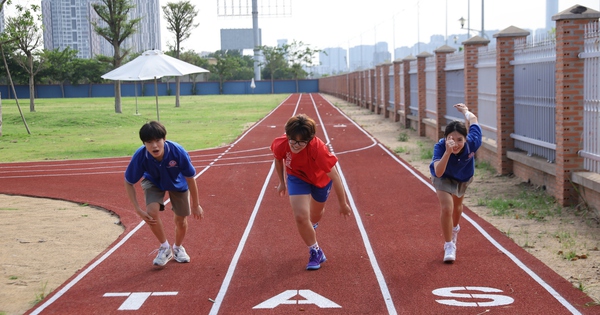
(313, 267)
(449, 260)
(168, 259)
(324, 259)
(182, 261)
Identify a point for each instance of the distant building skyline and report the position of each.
(67, 23)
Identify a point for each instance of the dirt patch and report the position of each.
(44, 242)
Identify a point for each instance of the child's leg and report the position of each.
(316, 210)
(458, 209)
(181, 226)
(157, 229)
(446, 214)
(301, 208)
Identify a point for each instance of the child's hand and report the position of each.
(146, 217)
(345, 210)
(450, 143)
(198, 212)
(281, 189)
(461, 108)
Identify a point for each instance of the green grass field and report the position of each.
(81, 128)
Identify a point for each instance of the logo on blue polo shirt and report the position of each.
(172, 163)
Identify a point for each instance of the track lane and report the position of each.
(398, 213)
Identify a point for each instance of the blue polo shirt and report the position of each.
(168, 174)
(460, 167)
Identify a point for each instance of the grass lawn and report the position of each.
(81, 128)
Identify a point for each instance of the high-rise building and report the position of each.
(2, 22)
(333, 60)
(67, 23)
(551, 9)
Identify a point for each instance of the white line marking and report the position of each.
(80, 276)
(485, 234)
(387, 297)
(238, 252)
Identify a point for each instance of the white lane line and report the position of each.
(218, 301)
(128, 236)
(485, 234)
(238, 252)
(387, 297)
(86, 271)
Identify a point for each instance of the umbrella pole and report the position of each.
(136, 105)
(156, 93)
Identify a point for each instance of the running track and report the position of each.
(247, 257)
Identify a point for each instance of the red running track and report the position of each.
(247, 256)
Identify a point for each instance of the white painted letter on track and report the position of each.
(135, 300)
(466, 294)
(309, 296)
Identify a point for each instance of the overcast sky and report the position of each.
(343, 23)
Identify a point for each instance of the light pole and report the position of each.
(468, 19)
(462, 21)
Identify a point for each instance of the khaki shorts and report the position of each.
(180, 201)
(451, 186)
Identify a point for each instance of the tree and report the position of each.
(225, 67)
(301, 55)
(23, 32)
(192, 57)
(180, 20)
(274, 61)
(88, 71)
(60, 66)
(118, 28)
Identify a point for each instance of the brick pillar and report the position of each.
(505, 95)
(396, 65)
(422, 92)
(570, 33)
(471, 53)
(440, 76)
(406, 65)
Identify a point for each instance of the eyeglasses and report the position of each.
(298, 143)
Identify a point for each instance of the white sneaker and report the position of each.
(455, 231)
(180, 255)
(449, 252)
(164, 255)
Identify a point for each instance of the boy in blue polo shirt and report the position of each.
(163, 166)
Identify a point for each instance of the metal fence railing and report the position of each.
(390, 104)
(590, 151)
(401, 87)
(455, 84)
(430, 88)
(534, 109)
(414, 90)
(486, 99)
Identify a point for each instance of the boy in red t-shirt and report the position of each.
(311, 172)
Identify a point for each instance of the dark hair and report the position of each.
(300, 125)
(152, 130)
(457, 126)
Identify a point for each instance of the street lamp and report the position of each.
(462, 21)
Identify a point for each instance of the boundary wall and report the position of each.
(146, 88)
(417, 92)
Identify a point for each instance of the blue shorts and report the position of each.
(296, 186)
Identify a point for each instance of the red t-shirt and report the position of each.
(311, 164)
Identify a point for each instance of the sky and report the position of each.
(324, 24)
